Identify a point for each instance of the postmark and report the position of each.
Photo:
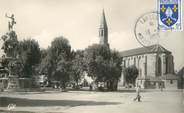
(169, 16)
(146, 29)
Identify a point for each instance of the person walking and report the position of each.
(138, 96)
(161, 86)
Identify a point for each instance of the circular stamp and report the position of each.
(146, 29)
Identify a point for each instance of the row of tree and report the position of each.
(59, 62)
(98, 61)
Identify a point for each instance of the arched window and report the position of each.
(159, 66)
(102, 32)
(145, 66)
(134, 61)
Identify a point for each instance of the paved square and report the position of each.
(93, 102)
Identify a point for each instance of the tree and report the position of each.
(46, 65)
(44, 62)
(57, 62)
(103, 65)
(29, 55)
(77, 72)
(96, 57)
(115, 70)
(130, 74)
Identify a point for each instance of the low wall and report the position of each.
(23, 83)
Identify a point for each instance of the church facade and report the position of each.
(155, 65)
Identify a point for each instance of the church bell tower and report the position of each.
(103, 31)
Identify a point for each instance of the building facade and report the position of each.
(180, 74)
(155, 66)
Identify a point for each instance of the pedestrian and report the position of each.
(138, 96)
(90, 87)
(161, 86)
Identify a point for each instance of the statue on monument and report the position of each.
(10, 38)
(10, 47)
(12, 23)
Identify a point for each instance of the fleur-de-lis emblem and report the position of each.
(169, 21)
(163, 8)
(175, 8)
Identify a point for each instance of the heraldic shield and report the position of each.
(169, 12)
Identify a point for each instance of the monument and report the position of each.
(10, 60)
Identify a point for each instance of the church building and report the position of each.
(154, 63)
(155, 66)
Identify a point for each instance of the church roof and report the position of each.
(103, 23)
(144, 50)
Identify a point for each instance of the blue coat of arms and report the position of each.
(169, 14)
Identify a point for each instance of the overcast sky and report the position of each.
(79, 20)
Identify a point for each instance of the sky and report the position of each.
(79, 20)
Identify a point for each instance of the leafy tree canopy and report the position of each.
(29, 55)
(57, 62)
(131, 74)
(103, 65)
(78, 69)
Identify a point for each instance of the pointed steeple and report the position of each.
(103, 30)
(103, 23)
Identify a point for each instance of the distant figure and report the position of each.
(90, 87)
(161, 86)
(138, 96)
